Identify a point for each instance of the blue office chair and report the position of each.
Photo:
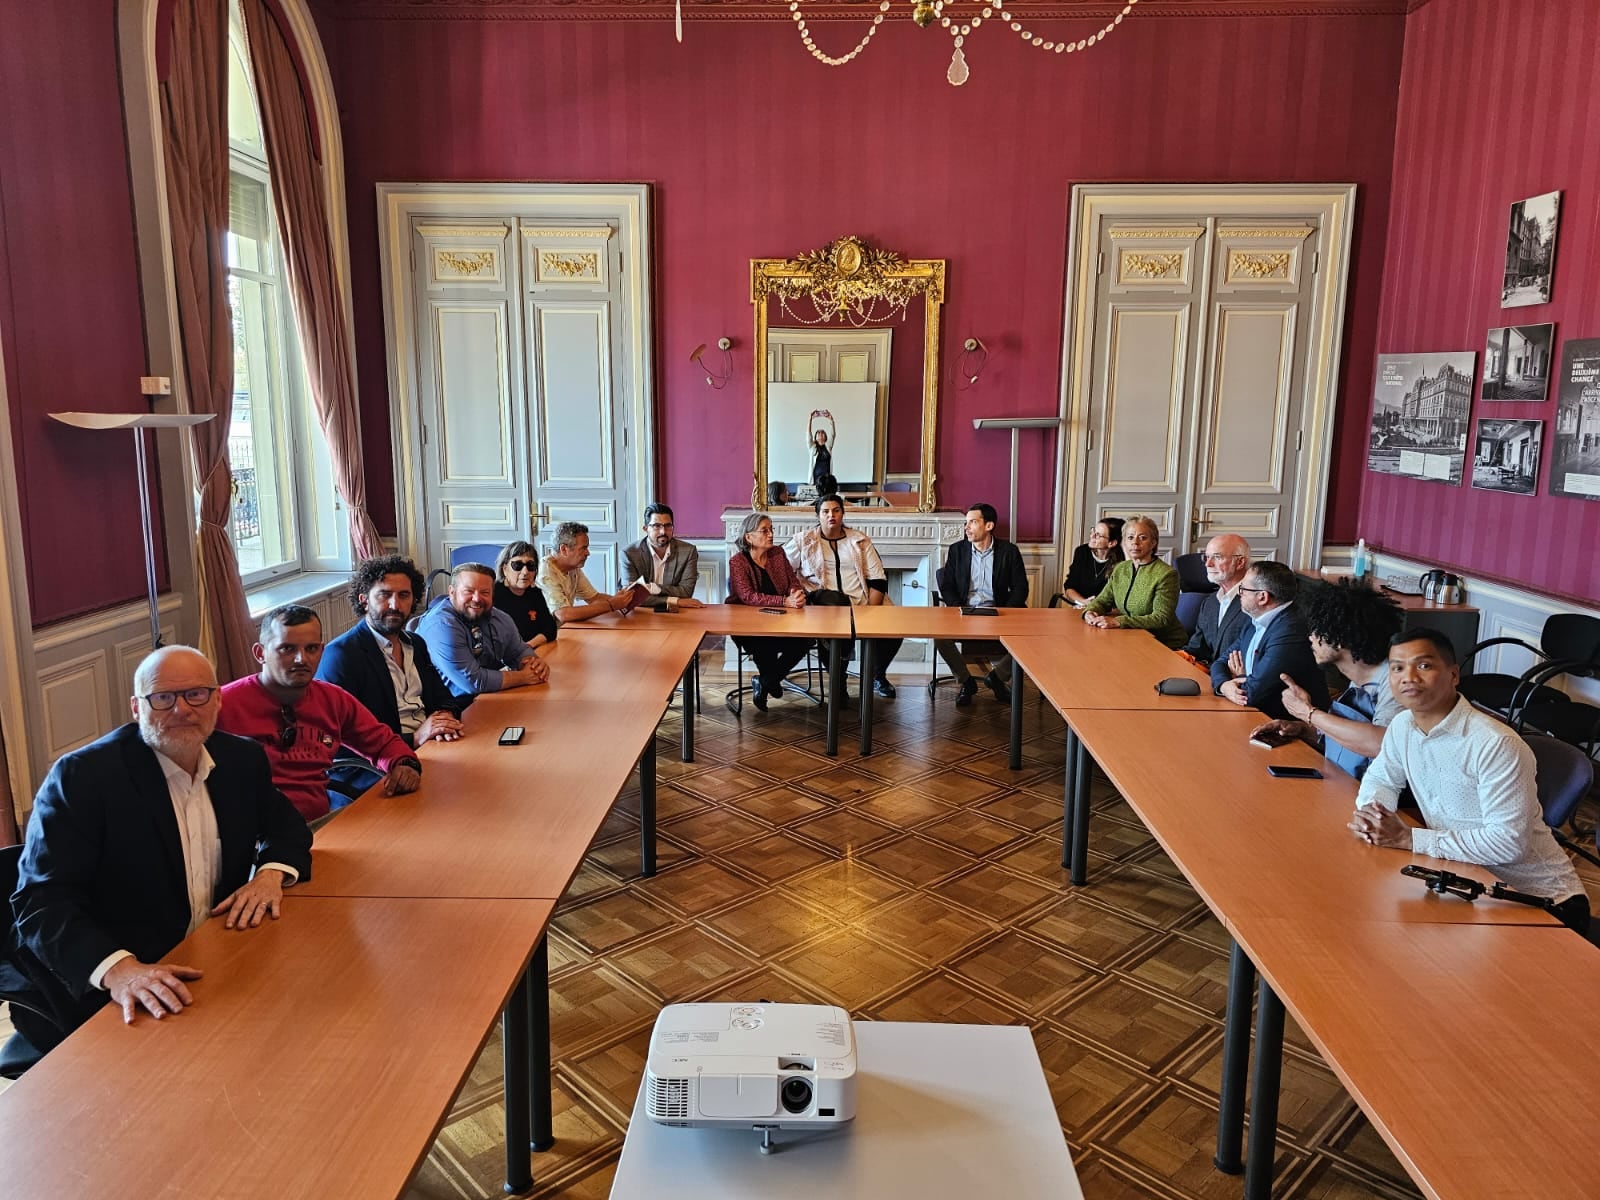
(1189, 609)
(1564, 776)
(483, 552)
(1191, 570)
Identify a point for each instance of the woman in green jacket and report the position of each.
(1142, 591)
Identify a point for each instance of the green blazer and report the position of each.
(1146, 600)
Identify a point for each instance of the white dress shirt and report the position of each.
(202, 847)
(407, 683)
(1473, 778)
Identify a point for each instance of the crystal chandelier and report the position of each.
(926, 12)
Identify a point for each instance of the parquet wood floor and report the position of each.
(921, 884)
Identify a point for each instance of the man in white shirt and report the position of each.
(1473, 779)
(836, 560)
(138, 838)
(1227, 559)
(668, 568)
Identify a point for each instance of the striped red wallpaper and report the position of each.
(755, 149)
(1499, 101)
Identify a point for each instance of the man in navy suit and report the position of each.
(1273, 645)
(380, 664)
(983, 571)
(1227, 558)
(138, 838)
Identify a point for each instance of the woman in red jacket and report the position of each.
(759, 575)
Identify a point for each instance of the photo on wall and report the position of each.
(1516, 363)
(1531, 250)
(1505, 456)
(1420, 408)
(1575, 457)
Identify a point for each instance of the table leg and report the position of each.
(866, 696)
(690, 686)
(1016, 714)
(835, 688)
(1069, 774)
(514, 1037)
(540, 1100)
(647, 808)
(1264, 1095)
(1080, 817)
(1235, 1062)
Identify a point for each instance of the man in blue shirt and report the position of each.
(476, 646)
(1275, 644)
(982, 571)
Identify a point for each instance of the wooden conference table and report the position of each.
(320, 1058)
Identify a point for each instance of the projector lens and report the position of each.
(796, 1094)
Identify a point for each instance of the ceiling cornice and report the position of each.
(778, 10)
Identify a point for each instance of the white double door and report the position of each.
(1209, 382)
(526, 396)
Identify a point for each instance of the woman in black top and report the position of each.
(1092, 562)
(518, 596)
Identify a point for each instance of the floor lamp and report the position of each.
(139, 422)
(1015, 424)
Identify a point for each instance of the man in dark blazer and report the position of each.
(1222, 614)
(986, 572)
(1273, 645)
(668, 568)
(138, 838)
(380, 664)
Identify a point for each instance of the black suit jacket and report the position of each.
(1284, 650)
(354, 661)
(102, 869)
(1207, 640)
(1010, 580)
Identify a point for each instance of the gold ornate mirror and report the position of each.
(851, 285)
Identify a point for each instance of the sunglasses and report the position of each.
(164, 701)
(523, 564)
(289, 729)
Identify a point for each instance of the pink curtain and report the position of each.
(194, 111)
(297, 196)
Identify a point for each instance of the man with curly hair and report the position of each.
(383, 666)
(1350, 628)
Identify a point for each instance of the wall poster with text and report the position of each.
(1575, 453)
(1420, 407)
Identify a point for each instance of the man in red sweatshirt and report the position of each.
(301, 721)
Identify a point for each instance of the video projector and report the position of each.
(751, 1066)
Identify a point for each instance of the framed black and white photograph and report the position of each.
(1505, 456)
(1531, 250)
(1575, 457)
(1420, 409)
(1516, 363)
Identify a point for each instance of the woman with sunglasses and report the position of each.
(517, 594)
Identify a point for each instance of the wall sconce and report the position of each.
(974, 357)
(715, 379)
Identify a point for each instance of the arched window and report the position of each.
(285, 515)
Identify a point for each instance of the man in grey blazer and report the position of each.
(668, 568)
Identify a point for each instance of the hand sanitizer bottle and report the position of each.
(1359, 561)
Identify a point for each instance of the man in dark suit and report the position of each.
(380, 664)
(982, 571)
(1273, 645)
(1222, 615)
(138, 838)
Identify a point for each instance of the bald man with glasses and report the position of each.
(138, 839)
(1227, 558)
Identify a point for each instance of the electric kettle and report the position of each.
(1441, 586)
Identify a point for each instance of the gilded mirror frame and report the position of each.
(848, 271)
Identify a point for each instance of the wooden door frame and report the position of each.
(627, 204)
(1090, 203)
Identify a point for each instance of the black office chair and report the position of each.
(1569, 643)
(815, 690)
(34, 1004)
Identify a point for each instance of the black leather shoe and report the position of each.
(1001, 692)
(882, 687)
(969, 689)
(774, 690)
(758, 695)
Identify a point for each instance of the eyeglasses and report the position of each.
(289, 728)
(522, 564)
(659, 525)
(1220, 557)
(1267, 590)
(164, 701)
